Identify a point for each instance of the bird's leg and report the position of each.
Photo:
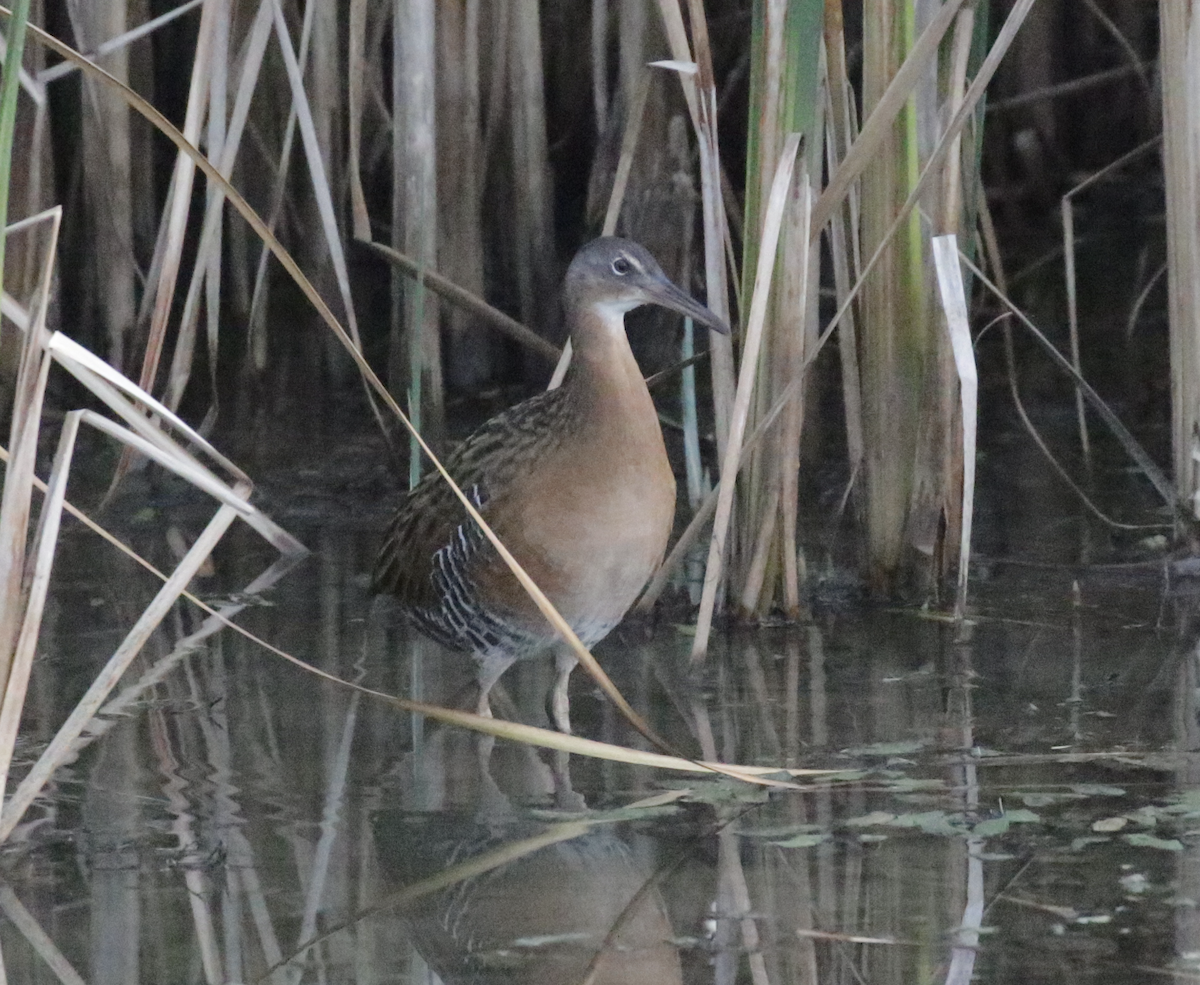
(489, 670)
(560, 702)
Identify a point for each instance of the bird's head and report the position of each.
(613, 275)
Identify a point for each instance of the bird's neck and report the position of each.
(604, 374)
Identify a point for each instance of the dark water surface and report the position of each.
(1019, 802)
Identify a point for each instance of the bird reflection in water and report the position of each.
(546, 917)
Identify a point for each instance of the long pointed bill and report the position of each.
(663, 292)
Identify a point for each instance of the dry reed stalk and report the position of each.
(797, 316)
(414, 358)
(934, 511)
(839, 249)
(460, 207)
(335, 794)
(318, 173)
(24, 578)
(211, 261)
(700, 92)
(882, 114)
(355, 72)
(43, 946)
(109, 176)
(498, 34)
(600, 63)
(1069, 242)
(764, 543)
(493, 317)
(155, 445)
(178, 204)
(532, 193)
(1127, 441)
(903, 215)
(844, 249)
(254, 47)
(119, 42)
(17, 494)
(256, 327)
(773, 221)
(954, 304)
(1068, 221)
(895, 335)
(952, 179)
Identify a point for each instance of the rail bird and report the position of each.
(575, 481)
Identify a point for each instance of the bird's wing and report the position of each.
(433, 522)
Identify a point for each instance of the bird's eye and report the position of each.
(621, 266)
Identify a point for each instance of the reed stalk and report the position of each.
(1179, 46)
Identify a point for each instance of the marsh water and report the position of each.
(1016, 799)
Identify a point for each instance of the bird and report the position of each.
(574, 481)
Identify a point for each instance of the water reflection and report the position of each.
(1016, 803)
(585, 903)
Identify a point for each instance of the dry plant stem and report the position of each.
(700, 92)
(533, 219)
(1136, 311)
(951, 205)
(600, 63)
(38, 939)
(497, 319)
(177, 207)
(1120, 432)
(801, 269)
(629, 139)
(108, 678)
(954, 303)
(15, 500)
(1180, 60)
(121, 41)
(414, 359)
(1063, 88)
(150, 440)
(235, 198)
(879, 124)
(992, 249)
(1068, 221)
(772, 222)
(181, 362)
(17, 682)
(334, 799)
(847, 335)
(355, 70)
(1135, 60)
(316, 169)
(1003, 40)
(762, 547)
